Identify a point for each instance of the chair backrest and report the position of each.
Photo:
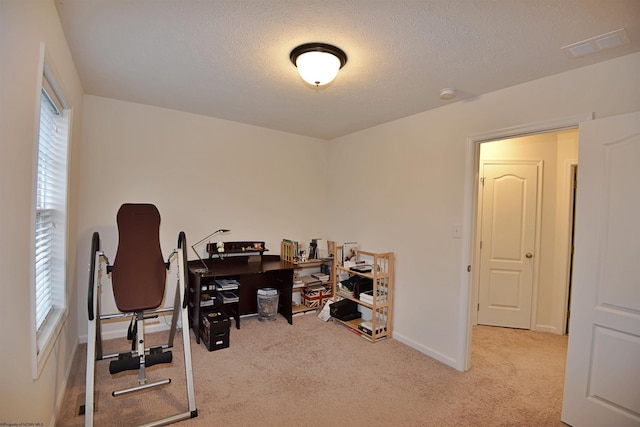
(138, 275)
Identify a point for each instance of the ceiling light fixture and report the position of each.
(318, 63)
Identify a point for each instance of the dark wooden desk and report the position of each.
(253, 273)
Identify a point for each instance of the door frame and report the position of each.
(570, 177)
(470, 213)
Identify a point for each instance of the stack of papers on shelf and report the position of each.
(316, 287)
(309, 281)
(361, 268)
(345, 291)
(368, 329)
(344, 287)
(367, 297)
(321, 276)
(226, 284)
(228, 296)
(370, 338)
(207, 300)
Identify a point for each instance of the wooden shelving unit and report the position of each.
(381, 308)
(288, 252)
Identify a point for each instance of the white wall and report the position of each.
(202, 173)
(402, 185)
(23, 26)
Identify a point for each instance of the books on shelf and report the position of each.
(370, 339)
(343, 290)
(316, 287)
(305, 251)
(364, 331)
(361, 268)
(325, 268)
(355, 331)
(304, 281)
(323, 277)
(367, 296)
(208, 302)
(228, 296)
(322, 249)
(226, 284)
(367, 328)
(294, 255)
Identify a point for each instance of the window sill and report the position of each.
(46, 340)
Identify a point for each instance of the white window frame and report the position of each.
(43, 338)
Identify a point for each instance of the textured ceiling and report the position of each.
(230, 58)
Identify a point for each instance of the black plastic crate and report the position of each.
(214, 330)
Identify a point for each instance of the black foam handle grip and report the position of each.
(182, 245)
(95, 247)
(126, 364)
(155, 359)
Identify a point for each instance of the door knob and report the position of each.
(529, 255)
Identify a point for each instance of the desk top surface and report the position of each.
(239, 265)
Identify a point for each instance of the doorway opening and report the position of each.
(523, 244)
(470, 255)
(523, 231)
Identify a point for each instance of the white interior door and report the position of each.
(602, 380)
(508, 240)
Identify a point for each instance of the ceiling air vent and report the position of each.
(596, 44)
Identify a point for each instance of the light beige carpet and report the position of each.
(319, 374)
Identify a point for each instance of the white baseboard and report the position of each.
(547, 328)
(426, 350)
(62, 387)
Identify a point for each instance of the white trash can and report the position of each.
(267, 304)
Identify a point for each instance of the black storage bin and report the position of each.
(345, 310)
(215, 330)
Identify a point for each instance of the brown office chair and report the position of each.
(138, 277)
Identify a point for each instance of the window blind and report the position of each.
(50, 194)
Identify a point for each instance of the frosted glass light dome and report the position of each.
(318, 68)
(318, 63)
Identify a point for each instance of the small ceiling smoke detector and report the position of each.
(596, 44)
(447, 93)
